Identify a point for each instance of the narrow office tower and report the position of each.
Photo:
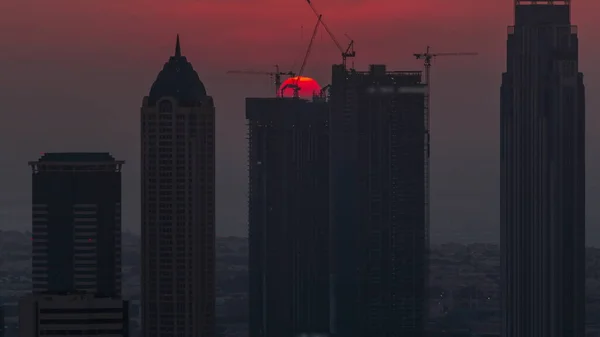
(543, 175)
(178, 204)
(288, 217)
(378, 203)
(76, 224)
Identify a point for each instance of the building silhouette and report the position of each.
(178, 204)
(76, 223)
(77, 314)
(2, 324)
(543, 175)
(288, 216)
(378, 203)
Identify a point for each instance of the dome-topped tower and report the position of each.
(177, 124)
(179, 80)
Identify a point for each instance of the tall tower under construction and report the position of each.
(378, 199)
(542, 157)
(288, 211)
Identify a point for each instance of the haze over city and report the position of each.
(77, 70)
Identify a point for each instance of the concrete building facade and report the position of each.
(72, 315)
(76, 223)
(378, 203)
(288, 217)
(542, 157)
(178, 204)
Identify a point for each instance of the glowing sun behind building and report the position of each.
(308, 87)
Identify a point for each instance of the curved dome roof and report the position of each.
(178, 79)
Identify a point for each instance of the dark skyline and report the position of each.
(542, 119)
(523, 184)
(102, 80)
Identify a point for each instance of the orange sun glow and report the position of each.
(307, 85)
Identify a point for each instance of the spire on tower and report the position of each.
(177, 48)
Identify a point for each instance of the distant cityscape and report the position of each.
(464, 284)
(339, 213)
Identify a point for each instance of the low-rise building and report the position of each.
(57, 315)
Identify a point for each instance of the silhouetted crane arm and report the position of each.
(331, 35)
(276, 74)
(295, 86)
(310, 44)
(250, 72)
(453, 54)
(428, 56)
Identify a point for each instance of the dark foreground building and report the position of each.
(76, 223)
(378, 203)
(2, 321)
(543, 175)
(178, 204)
(288, 217)
(77, 314)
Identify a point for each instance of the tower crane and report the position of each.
(346, 53)
(277, 75)
(427, 57)
(295, 85)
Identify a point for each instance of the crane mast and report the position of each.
(427, 57)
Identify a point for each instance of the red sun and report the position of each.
(308, 87)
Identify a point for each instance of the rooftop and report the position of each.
(178, 80)
(76, 161)
(68, 157)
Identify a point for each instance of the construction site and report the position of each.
(293, 84)
(365, 138)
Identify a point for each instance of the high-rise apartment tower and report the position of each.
(542, 175)
(178, 204)
(288, 217)
(378, 203)
(76, 223)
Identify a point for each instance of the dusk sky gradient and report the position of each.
(73, 74)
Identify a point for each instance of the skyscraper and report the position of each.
(542, 175)
(76, 223)
(288, 211)
(178, 204)
(378, 203)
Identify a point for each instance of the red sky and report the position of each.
(80, 68)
